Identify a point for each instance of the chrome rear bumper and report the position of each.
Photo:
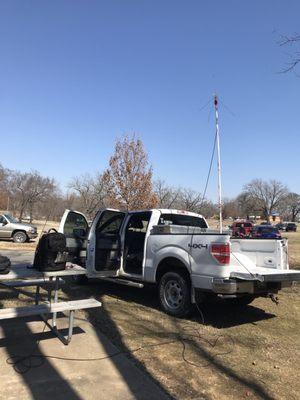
(231, 286)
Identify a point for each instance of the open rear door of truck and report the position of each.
(75, 227)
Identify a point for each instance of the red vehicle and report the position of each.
(242, 228)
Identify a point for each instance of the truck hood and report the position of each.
(22, 226)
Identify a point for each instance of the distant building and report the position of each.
(275, 217)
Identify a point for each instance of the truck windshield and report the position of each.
(10, 218)
(185, 220)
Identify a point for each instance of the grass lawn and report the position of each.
(294, 248)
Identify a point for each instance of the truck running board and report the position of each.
(124, 282)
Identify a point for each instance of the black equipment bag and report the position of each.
(51, 252)
(4, 265)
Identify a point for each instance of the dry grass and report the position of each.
(237, 354)
(294, 248)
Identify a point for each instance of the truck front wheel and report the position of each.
(175, 294)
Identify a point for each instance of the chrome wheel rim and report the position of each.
(173, 294)
(19, 237)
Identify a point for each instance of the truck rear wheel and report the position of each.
(175, 294)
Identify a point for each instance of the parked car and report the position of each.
(242, 228)
(281, 226)
(266, 232)
(291, 227)
(176, 251)
(10, 228)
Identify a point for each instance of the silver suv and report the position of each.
(10, 228)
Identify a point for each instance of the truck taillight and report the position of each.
(221, 252)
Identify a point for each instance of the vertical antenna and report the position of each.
(219, 162)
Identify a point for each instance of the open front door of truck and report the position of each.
(75, 227)
(104, 244)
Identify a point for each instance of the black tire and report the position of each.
(175, 294)
(20, 237)
(240, 301)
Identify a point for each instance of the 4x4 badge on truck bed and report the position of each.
(198, 246)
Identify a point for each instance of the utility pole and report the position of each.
(219, 162)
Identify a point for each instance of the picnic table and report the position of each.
(25, 275)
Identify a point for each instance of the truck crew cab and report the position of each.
(177, 251)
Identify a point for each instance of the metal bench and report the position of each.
(31, 282)
(23, 275)
(51, 308)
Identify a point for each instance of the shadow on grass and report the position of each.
(223, 316)
(96, 317)
(222, 367)
(215, 315)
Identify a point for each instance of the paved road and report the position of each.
(61, 379)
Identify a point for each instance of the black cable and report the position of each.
(22, 364)
(209, 171)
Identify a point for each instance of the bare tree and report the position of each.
(230, 208)
(167, 197)
(182, 198)
(53, 208)
(267, 196)
(129, 177)
(291, 206)
(247, 205)
(29, 188)
(292, 41)
(190, 200)
(91, 191)
(207, 208)
(4, 193)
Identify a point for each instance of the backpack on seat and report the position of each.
(4, 265)
(51, 252)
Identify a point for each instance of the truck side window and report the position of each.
(74, 221)
(110, 225)
(179, 219)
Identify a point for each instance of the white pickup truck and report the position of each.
(177, 251)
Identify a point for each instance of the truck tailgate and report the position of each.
(268, 275)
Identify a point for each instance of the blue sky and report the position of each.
(75, 75)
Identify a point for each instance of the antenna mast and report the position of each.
(219, 162)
